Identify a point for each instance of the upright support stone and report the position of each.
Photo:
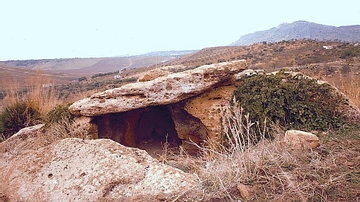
(207, 108)
(189, 128)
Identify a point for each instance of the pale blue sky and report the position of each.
(37, 29)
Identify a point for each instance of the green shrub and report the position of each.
(59, 114)
(82, 79)
(104, 74)
(350, 52)
(294, 102)
(17, 116)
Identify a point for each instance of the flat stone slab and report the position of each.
(163, 90)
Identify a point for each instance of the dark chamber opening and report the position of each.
(156, 124)
(143, 128)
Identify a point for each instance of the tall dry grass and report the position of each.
(36, 89)
(26, 103)
(267, 171)
(350, 86)
(242, 163)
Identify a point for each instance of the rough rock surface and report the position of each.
(153, 74)
(207, 108)
(92, 170)
(189, 128)
(26, 138)
(299, 139)
(84, 128)
(164, 90)
(248, 72)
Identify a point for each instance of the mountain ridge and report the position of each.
(301, 30)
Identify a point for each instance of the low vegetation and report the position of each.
(292, 101)
(27, 107)
(271, 170)
(17, 116)
(104, 74)
(58, 115)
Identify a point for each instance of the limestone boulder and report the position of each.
(163, 90)
(92, 170)
(26, 138)
(299, 139)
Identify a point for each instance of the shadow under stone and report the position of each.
(150, 128)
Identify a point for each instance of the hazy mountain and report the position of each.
(302, 30)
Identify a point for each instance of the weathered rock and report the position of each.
(164, 90)
(92, 170)
(26, 133)
(153, 74)
(248, 72)
(155, 109)
(299, 139)
(207, 108)
(189, 128)
(26, 138)
(83, 127)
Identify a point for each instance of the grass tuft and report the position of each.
(29, 106)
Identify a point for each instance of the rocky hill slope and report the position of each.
(302, 30)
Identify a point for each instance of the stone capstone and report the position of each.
(163, 90)
(92, 170)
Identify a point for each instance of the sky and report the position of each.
(46, 29)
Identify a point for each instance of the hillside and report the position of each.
(100, 64)
(298, 54)
(94, 65)
(302, 30)
(272, 56)
(19, 74)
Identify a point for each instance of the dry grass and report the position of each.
(37, 93)
(43, 93)
(63, 129)
(37, 89)
(270, 170)
(350, 86)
